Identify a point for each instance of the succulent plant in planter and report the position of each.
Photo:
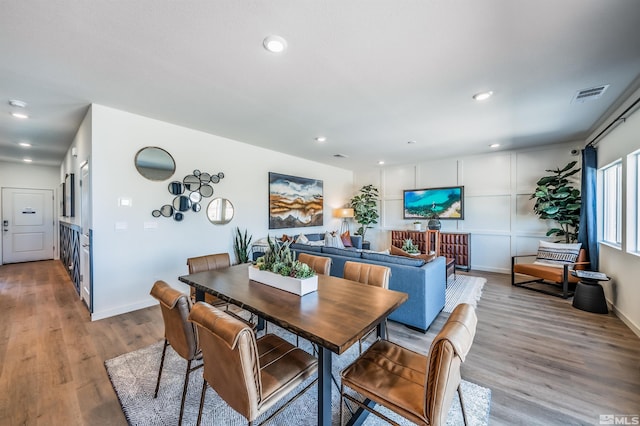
(279, 260)
(241, 245)
(410, 247)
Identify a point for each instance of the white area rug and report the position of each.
(134, 374)
(463, 289)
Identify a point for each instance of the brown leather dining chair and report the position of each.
(417, 387)
(320, 264)
(257, 373)
(178, 332)
(366, 273)
(208, 263)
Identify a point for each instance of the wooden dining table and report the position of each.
(334, 317)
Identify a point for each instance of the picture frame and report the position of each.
(295, 202)
(444, 202)
(69, 195)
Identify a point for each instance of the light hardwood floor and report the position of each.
(545, 362)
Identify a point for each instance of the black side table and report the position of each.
(366, 245)
(589, 295)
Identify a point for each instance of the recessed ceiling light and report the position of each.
(27, 160)
(17, 103)
(380, 163)
(25, 144)
(321, 139)
(275, 44)
(494, 145)
(483, 96)
(19, 115)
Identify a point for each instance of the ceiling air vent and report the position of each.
(340, 156)
(590, 94)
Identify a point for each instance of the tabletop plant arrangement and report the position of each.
(278, 269)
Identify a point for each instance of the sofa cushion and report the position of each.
(347, 252)
(557, 254)
(333, 240)
(302, 239)
(398, 260)
(306, 247)
(346, 239)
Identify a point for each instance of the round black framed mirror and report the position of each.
(154, 163)
(195, 197)
(176, 188)
(181, 203)
(166, 210)
(196, 207)
(191, 182)
(206, 191)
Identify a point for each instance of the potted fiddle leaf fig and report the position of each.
(558, 200)
(365, 208)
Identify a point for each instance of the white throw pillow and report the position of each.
(333, 240)
(557, 254)
(302, 239)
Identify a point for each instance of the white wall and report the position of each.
(30, 176)
(623, 290)
(498, 212)
(127, 262)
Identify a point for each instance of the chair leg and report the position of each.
(464, 414)
(341, 401)
(184, 391)
(204, 391)
(164, 350)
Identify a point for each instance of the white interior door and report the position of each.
(27, 225)
(85, 239)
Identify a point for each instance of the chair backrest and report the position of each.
(208, 262)
(230, 356)
(320, 264)
(175, 307)
(366, 273)
(446, 354)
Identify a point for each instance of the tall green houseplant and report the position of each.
(556, 199)
(365, 208)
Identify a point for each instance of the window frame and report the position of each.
(611, 170)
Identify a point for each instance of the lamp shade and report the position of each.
(344, 213)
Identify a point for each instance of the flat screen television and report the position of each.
(446, 202)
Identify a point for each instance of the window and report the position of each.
(633, 203)
(612, 203)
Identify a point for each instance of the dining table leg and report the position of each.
(199, 295)
(324, 386)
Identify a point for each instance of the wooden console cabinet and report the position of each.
(454, 245)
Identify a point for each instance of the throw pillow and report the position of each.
(557, 254)
(346, 239)
(332, 239)
(302, 239)
(284, 238)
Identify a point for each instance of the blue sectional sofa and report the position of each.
(425, 283)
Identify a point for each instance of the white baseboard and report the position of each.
(123, 309)
(625, 319)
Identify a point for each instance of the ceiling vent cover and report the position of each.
(590, 94)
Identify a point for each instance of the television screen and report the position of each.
(447, 203)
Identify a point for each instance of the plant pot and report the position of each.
(296, 286)
(434, 224)
(417, 226)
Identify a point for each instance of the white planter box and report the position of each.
(292, 285)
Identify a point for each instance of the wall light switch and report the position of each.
(124, 202)
(121, 226)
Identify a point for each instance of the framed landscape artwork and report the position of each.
(294, 202)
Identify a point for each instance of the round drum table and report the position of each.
(589, 294)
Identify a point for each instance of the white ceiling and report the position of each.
(369, 75)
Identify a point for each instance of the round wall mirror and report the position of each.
(220, 211)
(155, 163)
(181, 203)
(191, 182)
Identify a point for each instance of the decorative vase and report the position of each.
(297, 286)
(434, 224)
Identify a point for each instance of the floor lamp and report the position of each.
(344, 214)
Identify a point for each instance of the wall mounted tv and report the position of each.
(446, 202)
